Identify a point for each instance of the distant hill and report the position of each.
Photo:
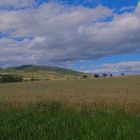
(42, 72)
(45, 68)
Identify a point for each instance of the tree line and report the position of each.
(99, 75)
(106, 75)
(5, 78)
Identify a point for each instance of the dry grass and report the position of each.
(122, 92)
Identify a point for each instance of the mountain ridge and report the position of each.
(41, 67)
(42, 72)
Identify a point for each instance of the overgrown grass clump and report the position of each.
(53, 121)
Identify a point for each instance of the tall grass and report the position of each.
(52, 121)
(101, 109)
(119, 92)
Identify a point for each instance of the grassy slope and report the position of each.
(41, 72)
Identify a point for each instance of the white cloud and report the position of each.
(127, 8)
(61, 33)
(129, 67)
(138, 8)
(16, 3)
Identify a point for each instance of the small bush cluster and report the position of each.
(10, 78)
(96, 75)
(84, 76)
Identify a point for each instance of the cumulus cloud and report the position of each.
(62, 34)
(129, 67)
(16, 3)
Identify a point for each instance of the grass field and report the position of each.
(120, 91)
(100, 109)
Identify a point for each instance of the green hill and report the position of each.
(41, 72)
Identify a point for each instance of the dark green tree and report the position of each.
(96, 75)
(104, 75)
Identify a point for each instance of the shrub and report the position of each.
(85, 76)
(32, 79)
(10, 78)
(122, 74)
(96, 75)
(104, 75)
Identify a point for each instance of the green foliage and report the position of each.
(54, 122)
(10, 78)
(96, 75)
(122, 74)
(104, 75)
(85, 76)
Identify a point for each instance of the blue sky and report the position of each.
(86, 35)
(94, 3)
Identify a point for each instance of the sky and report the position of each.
(95, 36)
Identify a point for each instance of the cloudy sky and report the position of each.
(88, 35)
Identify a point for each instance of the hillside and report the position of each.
(41, 72)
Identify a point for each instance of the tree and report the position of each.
(122, 74)
(104, 75)
(96, 75)
(111, 75)
(85, 76)
(10, 78)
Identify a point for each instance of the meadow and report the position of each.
(82, 109)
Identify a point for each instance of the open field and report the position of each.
(90, 109)
(121, 91)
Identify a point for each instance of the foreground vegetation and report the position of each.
(54, 122)
(85, 109)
